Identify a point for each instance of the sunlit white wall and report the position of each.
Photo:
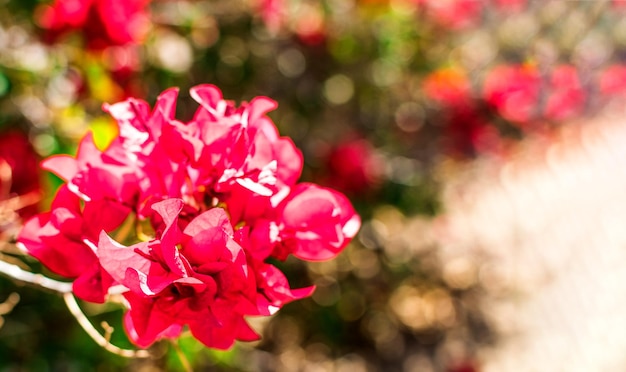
(547, 232)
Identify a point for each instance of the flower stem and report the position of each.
(182, 357)
(72, 305)
(16, 272)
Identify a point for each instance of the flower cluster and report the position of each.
(521, 94)
(102, 22)
(210, 201)
(468, 130)
(529, 99)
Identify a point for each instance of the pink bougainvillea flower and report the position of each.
(315, 223)
(158, 172)
(63, 240)
(274, 290)
(312, 223)
(220, 194)
(204, 284)
(243, 156)
(220, 151)
(102, 22)
(249, 153)
(94, 175)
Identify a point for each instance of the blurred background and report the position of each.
(482, 141)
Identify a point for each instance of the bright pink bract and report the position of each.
(210, 200)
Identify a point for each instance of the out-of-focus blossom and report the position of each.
(19, 175)
(306, 21)
(219, 192)
(309, 24)
(102, 22)
(467, 131)
(612, 81)
(511, 5)
(122, 59)
(566, 96)
(454, 14)
(124, 63)
(17, 152)
(467, 366)
(514, 92)
(619, 4)
(518, 92)
(353, 167)
(448, 87)
(272, 12)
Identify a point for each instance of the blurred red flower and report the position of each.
(467, 129)
(102, 22)
(566, 97)
(453, 14)
(19, 173)
(448, 87)
(513, 91)
(613, 81)
(354, 167)
(272, 12)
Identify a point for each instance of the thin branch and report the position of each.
(181, 356)
(108, 331)
(9, 303)
(16, 272)
(72, 305)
